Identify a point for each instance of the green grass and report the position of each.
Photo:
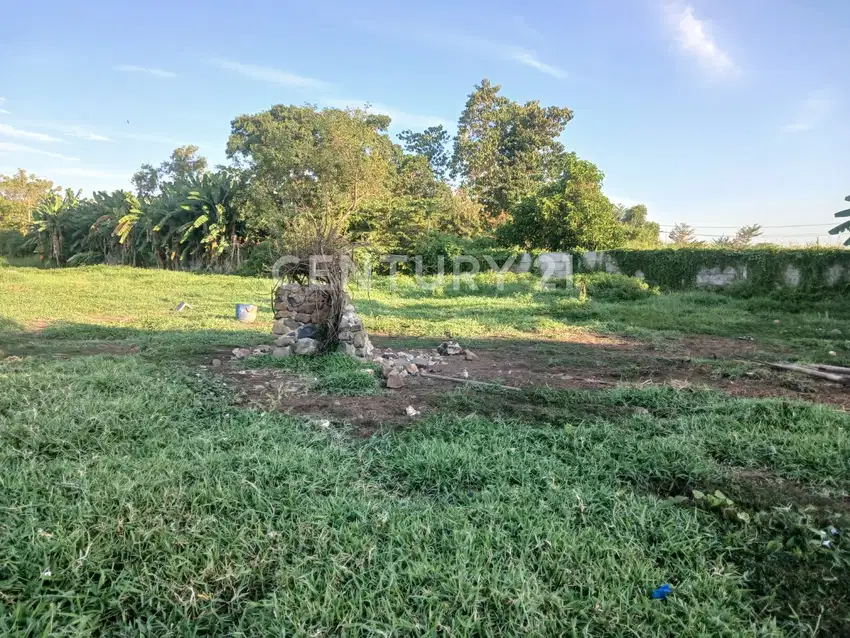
(331, 374)
(161, 507)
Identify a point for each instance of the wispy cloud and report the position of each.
(157, 73)
(458, 40)
(11, 131)
(695, 40)
(271, 75)
(11, 147)
(67, 129)
(529, 59)
(399, 117)
(812, 112)
(4, 112)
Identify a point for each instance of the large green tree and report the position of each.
(570, 213)
(432, 143)
(504, 151)
(19, 195)
(309, 170)
(640, 233)
(182, 167)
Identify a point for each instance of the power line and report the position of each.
(789, 226)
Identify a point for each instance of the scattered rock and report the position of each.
(347, 349)
(449, 348)
(387, 369)
(285, 340)
(835, 332)
(241, 353)
(833, 353)
(283, 351)
(411, 411)
(640, 410)
(395, 380)
(216, 363)
(280, 327)
(359, 339)
(306, 346)
(469, 355)
(412, 369)
(306, 331)
(422, 362)
(464, 373)
(324, 424)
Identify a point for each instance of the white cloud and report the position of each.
(694, 39)
(11, 131)
(10, 147)
(813, 111)
(158, 73)
(529, 59)
(69, 130)
(458, 40)
(399, 117)
(271, 75)
(4, 112)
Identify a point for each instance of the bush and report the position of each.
(604, 286)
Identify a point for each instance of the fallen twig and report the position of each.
(829, 368)
(431, 375)
(820, 374)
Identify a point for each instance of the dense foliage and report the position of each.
(301, 177)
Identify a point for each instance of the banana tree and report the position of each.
(51, 224)
(843, 226)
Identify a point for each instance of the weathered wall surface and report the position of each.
(302, 312)
(681, 269)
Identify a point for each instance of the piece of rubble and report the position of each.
(241, 353)
(469, 355)
(412, 368)
(422, 362)
(282, 351)
(216, 363)
(306, 346)
(464, 373)
(449, 348)
(395, 380)
(411, 411)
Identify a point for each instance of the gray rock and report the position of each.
(347, 349)
(345, 335)
(306, 346)
(216, 363)
(835, 332)
(263, 348)
(422, 362)
(280, 327)
(303, 318)
(449, 348)
(241, 353)
(349, 309)
(359, 339)
(412, 369)
(285, 340)
(308, 330)
(395, 380)
(284, 351)
(469, 355)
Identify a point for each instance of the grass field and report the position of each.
(138, 495)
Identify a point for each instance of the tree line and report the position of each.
(301, 175)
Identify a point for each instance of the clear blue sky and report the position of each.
(712, 112)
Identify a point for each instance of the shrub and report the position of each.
(604, 286)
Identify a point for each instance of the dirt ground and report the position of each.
(604, 363)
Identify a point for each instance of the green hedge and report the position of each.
(676, 269)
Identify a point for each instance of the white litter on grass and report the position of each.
(411, 411)
(46, 573)
(324, 423)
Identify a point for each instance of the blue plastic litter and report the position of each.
(662, 592)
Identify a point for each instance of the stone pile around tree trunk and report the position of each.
(302, 316)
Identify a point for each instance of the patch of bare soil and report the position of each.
(526, 364)
(66, 350)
